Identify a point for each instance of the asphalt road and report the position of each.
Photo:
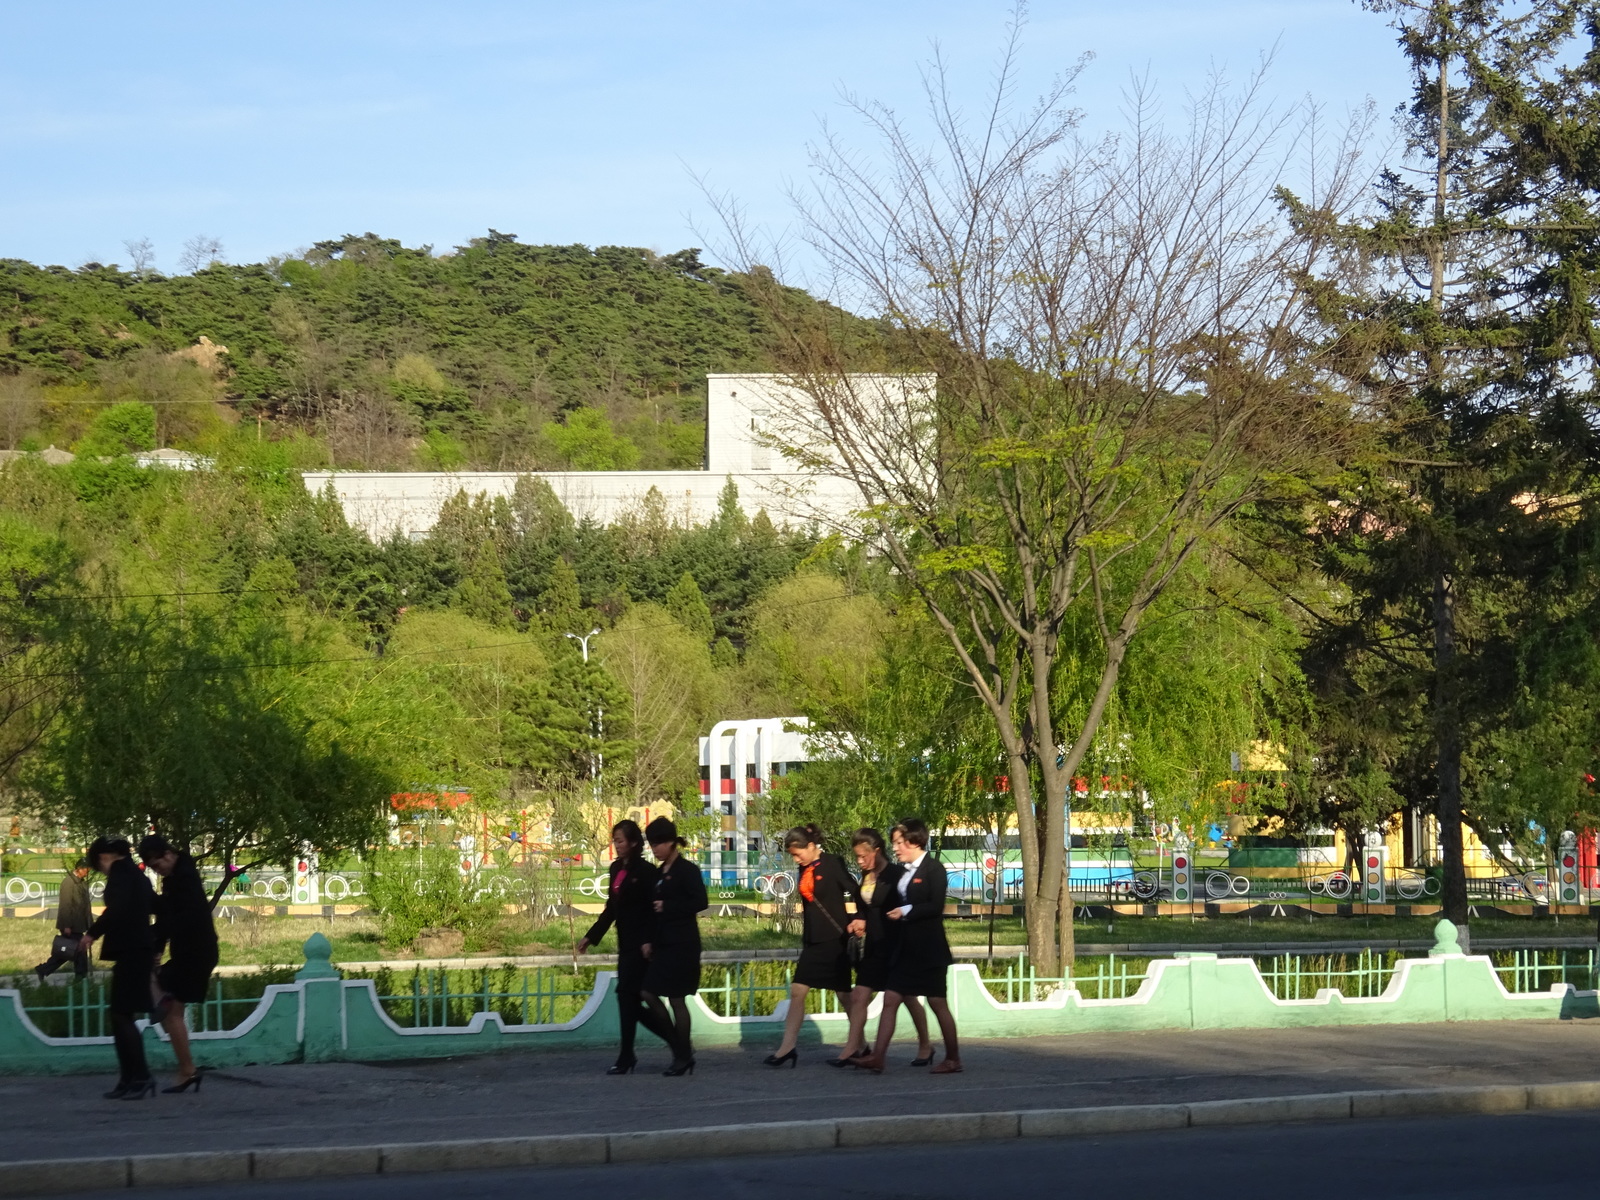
(514, 1095)
(1464, 1158)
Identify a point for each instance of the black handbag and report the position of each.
(854, 944)
(62, 946)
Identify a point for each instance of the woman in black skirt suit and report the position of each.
(878, 879)
(823, 883)
(129, 945)
(920, 962)
(674, 970)
(630, 907)
(184, 927)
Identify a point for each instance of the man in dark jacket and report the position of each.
(129, 943)
(72, 922)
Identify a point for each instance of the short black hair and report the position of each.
(913, 830)
(153, 845)
(661, 831)
(108, 845)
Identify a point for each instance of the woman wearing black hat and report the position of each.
(185, 928)
(129, 945)
(674, 970)
(630, 905)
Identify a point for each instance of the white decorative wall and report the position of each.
(740, 408)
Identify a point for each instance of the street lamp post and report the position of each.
(597, 760)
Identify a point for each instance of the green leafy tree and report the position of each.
(1102, 367)
(120, 429)
(214, 730)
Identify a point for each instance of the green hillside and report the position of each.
(367, 353)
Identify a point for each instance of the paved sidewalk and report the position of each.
(526, 1093)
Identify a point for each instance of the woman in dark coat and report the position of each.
(184, 927)
(674, 970)
(126, 940)
(630, 906)
(920, 962)
(879, 880)
(823, 885)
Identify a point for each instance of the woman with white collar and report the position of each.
(922, 958)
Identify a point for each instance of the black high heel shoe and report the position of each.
(680, 1068)
(138, 1091)
(622, 1068)
(777, 1060)
(192, 1082)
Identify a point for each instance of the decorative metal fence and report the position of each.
(427, 999)
(78, 1008)
(431, 999)
(1536, 970)
(1302, 976)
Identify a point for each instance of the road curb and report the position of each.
(59, 1176)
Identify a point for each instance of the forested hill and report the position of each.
(497, 355)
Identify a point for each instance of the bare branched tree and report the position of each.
(202, 250)
(1093, 356)
(141, 256)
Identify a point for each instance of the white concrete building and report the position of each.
(739, 763)
(746, 415)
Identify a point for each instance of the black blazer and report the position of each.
(921, 931)
(183, 914)
(831, 883)
(885, 895)
(682, 891)
(124, 924)
(629, 905)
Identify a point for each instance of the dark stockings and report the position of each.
(633, 1011)
(675, 1027)
(130, 1049)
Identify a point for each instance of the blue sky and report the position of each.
(271, 126)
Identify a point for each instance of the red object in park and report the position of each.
(1372, 860)
(1180, 862)
(402, 801)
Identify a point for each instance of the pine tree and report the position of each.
(689, 608)
(1462, 342)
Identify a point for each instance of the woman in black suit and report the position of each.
(879, 878)
(129, 944)
(184, 927)
(823, 883)
(920, 964)
(674, 970)
(630, 907)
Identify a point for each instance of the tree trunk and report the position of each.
(1447, 747)
(1069, 940)
(1044, 902)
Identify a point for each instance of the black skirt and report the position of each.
(187, 977)
(910, 976)
(673, 971)
(632, 967)
(873, 971)
(824, 965)
(130, 986)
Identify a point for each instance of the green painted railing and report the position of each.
(438, 999)
(77, 1008)
(1536, 970)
